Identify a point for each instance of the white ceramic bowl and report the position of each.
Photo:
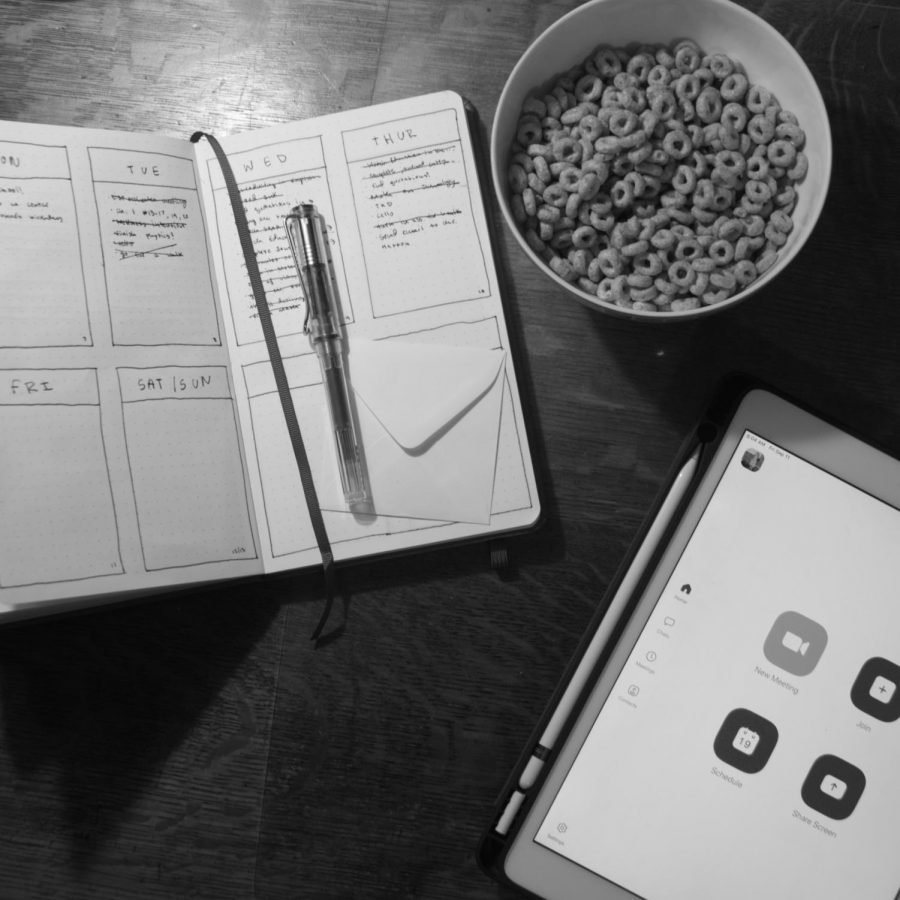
(718, 26)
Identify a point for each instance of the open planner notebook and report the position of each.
(142, 441)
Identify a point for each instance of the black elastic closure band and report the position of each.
(287, 403)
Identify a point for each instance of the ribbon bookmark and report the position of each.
(287, 403)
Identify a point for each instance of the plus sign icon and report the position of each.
(875, 690)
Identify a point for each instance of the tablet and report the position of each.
(741, 738)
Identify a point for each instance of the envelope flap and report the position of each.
(416, 389)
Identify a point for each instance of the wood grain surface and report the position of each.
(197, 745)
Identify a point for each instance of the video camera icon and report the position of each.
(795, 643)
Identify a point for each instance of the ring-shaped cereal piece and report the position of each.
(688, 249)
(639, 66)
(734, 87)
(588, 186)
(619, 289)
(734, 115)
(758, 191)
(647, 264)
(700, 285)
(566, 150)
(583, 238)
(766, 261)
(724, 280)
(569, 179)
(562, 240)
(541, 169)
(621, 194)
(687, 57)
(731, 161)
(625, 80)
(760, 129)
(637, 182)
(774, 236)
(664, 104)
(704, 193)
(711, 298)
(785, 199)
(703, 265)
(663, 239)
(636, 248)
(590, 127)
(556, 195)
(623, 122)
(549, 214)
(757, 168)
(730, 230)
(659, 75)
(677, 144)
(782, 153)
(781, 220)
(664, 286)
(574, 114)
(607, 62)
(721, 65)
(594, 271)
(579, 258)
(682, 273)
(602, 223)
(517, 178)
(723, 198)
(632, 99)
(529, 130)
(529, 201)
(589, 87)
(758, 98)
(563, 268)
(721, 252)
(744, 272)
(604, 290)
(610, 261)
(684, 180)
(687, 87)
(791, 131)
(800, 168)
(709, 105)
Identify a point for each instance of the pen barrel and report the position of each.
(349, 451)
(321, 299)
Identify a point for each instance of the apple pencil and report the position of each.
(589, 660)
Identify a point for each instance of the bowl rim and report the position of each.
(499, 160)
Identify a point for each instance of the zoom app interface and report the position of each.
(750, 746)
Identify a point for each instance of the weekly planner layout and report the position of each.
(142, 439)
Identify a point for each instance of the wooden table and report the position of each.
(198, 746)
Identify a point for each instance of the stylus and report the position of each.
(626, 588)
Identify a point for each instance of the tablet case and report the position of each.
(513, 803)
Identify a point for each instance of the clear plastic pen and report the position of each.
(309, 245)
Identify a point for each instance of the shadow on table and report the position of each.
(95, 703)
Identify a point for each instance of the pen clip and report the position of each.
(292, 221)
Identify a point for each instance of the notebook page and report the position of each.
(122, 459)
(398, 189)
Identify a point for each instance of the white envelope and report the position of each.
(429, 417)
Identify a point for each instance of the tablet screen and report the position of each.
(749, 745)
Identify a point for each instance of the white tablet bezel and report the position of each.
(547, 874)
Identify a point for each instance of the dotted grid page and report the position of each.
(122, 458)
(397, 187)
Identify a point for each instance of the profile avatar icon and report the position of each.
(753, 460)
